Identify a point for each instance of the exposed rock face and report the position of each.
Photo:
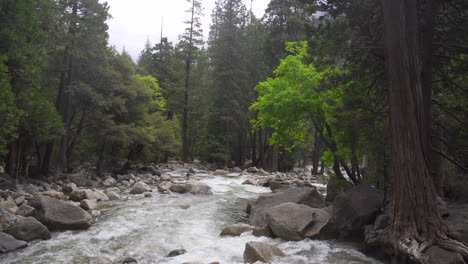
(27, 229)
(291, 221)
(263, 252)
(60, 215)
(139, 188)
(303, 195)
(9, 243)
(356, 208)
(437, 255)
(236, 230)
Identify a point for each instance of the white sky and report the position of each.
(134, 21)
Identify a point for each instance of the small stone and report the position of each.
(177, 252)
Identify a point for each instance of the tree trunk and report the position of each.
(416, 224)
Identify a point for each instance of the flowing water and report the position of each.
(148, 229)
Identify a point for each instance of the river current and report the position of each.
(147, 229)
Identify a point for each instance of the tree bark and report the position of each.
(416, 224)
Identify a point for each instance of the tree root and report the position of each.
(410, 246)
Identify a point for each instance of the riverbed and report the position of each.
(147, 229)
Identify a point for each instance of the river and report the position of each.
(147, 229)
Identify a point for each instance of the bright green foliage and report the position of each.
(293, 100)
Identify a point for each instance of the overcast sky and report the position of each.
(134, 21)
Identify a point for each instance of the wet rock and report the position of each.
(60, 215)
(113, 195)
(9, 243)
(236, 230)
(179, 188)
(9, 206)
(220, 173)
(25, 210)
(294, 222)
(184, 206)
(302, 195)
(129, 260)
(27, 229)
(177, 252)
(201, 189)
(437, 255)
(139, 188)
(260, 231)
(263, 252)
(148, 194)
(250, 182)
(252, 170)
(88, 204)
(356, 208)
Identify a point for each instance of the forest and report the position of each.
(367, 92)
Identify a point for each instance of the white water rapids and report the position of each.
(148, 229)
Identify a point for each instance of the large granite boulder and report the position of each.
(356, 208)
(179, 188)
(259, 251)
(60, 215)
(294, 222)
(303, 195)
(9, 243)
(200, 189)
(27, 229)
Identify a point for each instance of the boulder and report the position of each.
(139, 188)
(294, 222)
(335, 187)
(259, 251)
(54, 194)
(9, 243)
(81, 194)
(9, 206)
(236, 230)
(69, 188)
(220, 173)
(81, 181)
(457, 217)
(6, 218)
(303, 195)
(25, 210)
(113, 195)
(20, 200)
(260, 231)
(252, 170)
(109, 182)
(437, 255)
(201, 189)
(277, 185)
(29, 189)
(356, 208)
(27, 229)
(165, 177)
(88, 204)
(60, 215)
(249, 182)
(179, 188)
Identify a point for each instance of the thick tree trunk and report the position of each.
(416, 224)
